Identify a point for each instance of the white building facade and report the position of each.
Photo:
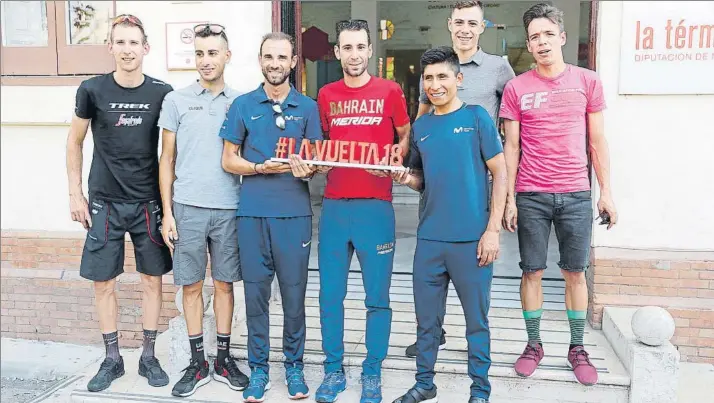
(662, 173)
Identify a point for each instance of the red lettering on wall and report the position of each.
(644, 38)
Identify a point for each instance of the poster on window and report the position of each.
(179, 45)
(88, 22)
(24, 23)
(667, 47)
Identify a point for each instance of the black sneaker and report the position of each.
(228, 373)
(151, 370)
(197, 375)
(412, 351)
(418, 395)
(108, 372)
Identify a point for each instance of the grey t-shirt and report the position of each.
(485, 76)
(196, 116)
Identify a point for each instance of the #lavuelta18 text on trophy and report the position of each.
(342, 153)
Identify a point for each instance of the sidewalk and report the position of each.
(31, 368)
(44, 365)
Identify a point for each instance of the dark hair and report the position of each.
(467, 4)
(278, 36)
(206, 30)
(442, 54)
(353, 25)
(543, 10)
(128, 20)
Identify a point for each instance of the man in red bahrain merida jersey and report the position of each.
(357, 212)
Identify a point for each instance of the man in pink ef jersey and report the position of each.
(547, 113)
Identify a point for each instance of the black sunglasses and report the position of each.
(213, 28)
(205, 30)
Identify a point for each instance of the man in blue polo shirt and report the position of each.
(274, 215)
(452, 151)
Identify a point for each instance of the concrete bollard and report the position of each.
(640, 337)
(652, 325)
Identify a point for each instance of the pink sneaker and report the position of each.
(584, 370)
(527, 363)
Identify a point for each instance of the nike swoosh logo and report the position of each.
(304, 244)
(256, 117)
(424, 138)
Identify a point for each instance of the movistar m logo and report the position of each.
(463, 129)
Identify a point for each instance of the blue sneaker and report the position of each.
(259, 384)
(297, 388)
(333, 384)
(371, 389)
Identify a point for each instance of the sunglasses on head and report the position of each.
(280, 119)
(127, 18)
(215, 29)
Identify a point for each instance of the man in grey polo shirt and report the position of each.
(485, 76)
(200, 201)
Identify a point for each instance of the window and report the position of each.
(55, 38)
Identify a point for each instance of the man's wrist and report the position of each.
(76, 190)
(494, 228)
(410, 182)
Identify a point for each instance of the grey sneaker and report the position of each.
(109, 370)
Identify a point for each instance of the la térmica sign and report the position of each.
(667, 47)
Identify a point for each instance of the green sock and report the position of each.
(577, 327)
(533, 324)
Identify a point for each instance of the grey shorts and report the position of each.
(202, 231)
(572, 216)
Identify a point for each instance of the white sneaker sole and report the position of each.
(298, 396)
(196, 386)
(251, 399)
(570, 365)
(223, 379)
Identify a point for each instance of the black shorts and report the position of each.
(103, 255)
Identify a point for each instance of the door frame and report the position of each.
(276, 27)
(276, 24)
(592, 35)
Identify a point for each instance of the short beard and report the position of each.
(361, 71)
(280, 81)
